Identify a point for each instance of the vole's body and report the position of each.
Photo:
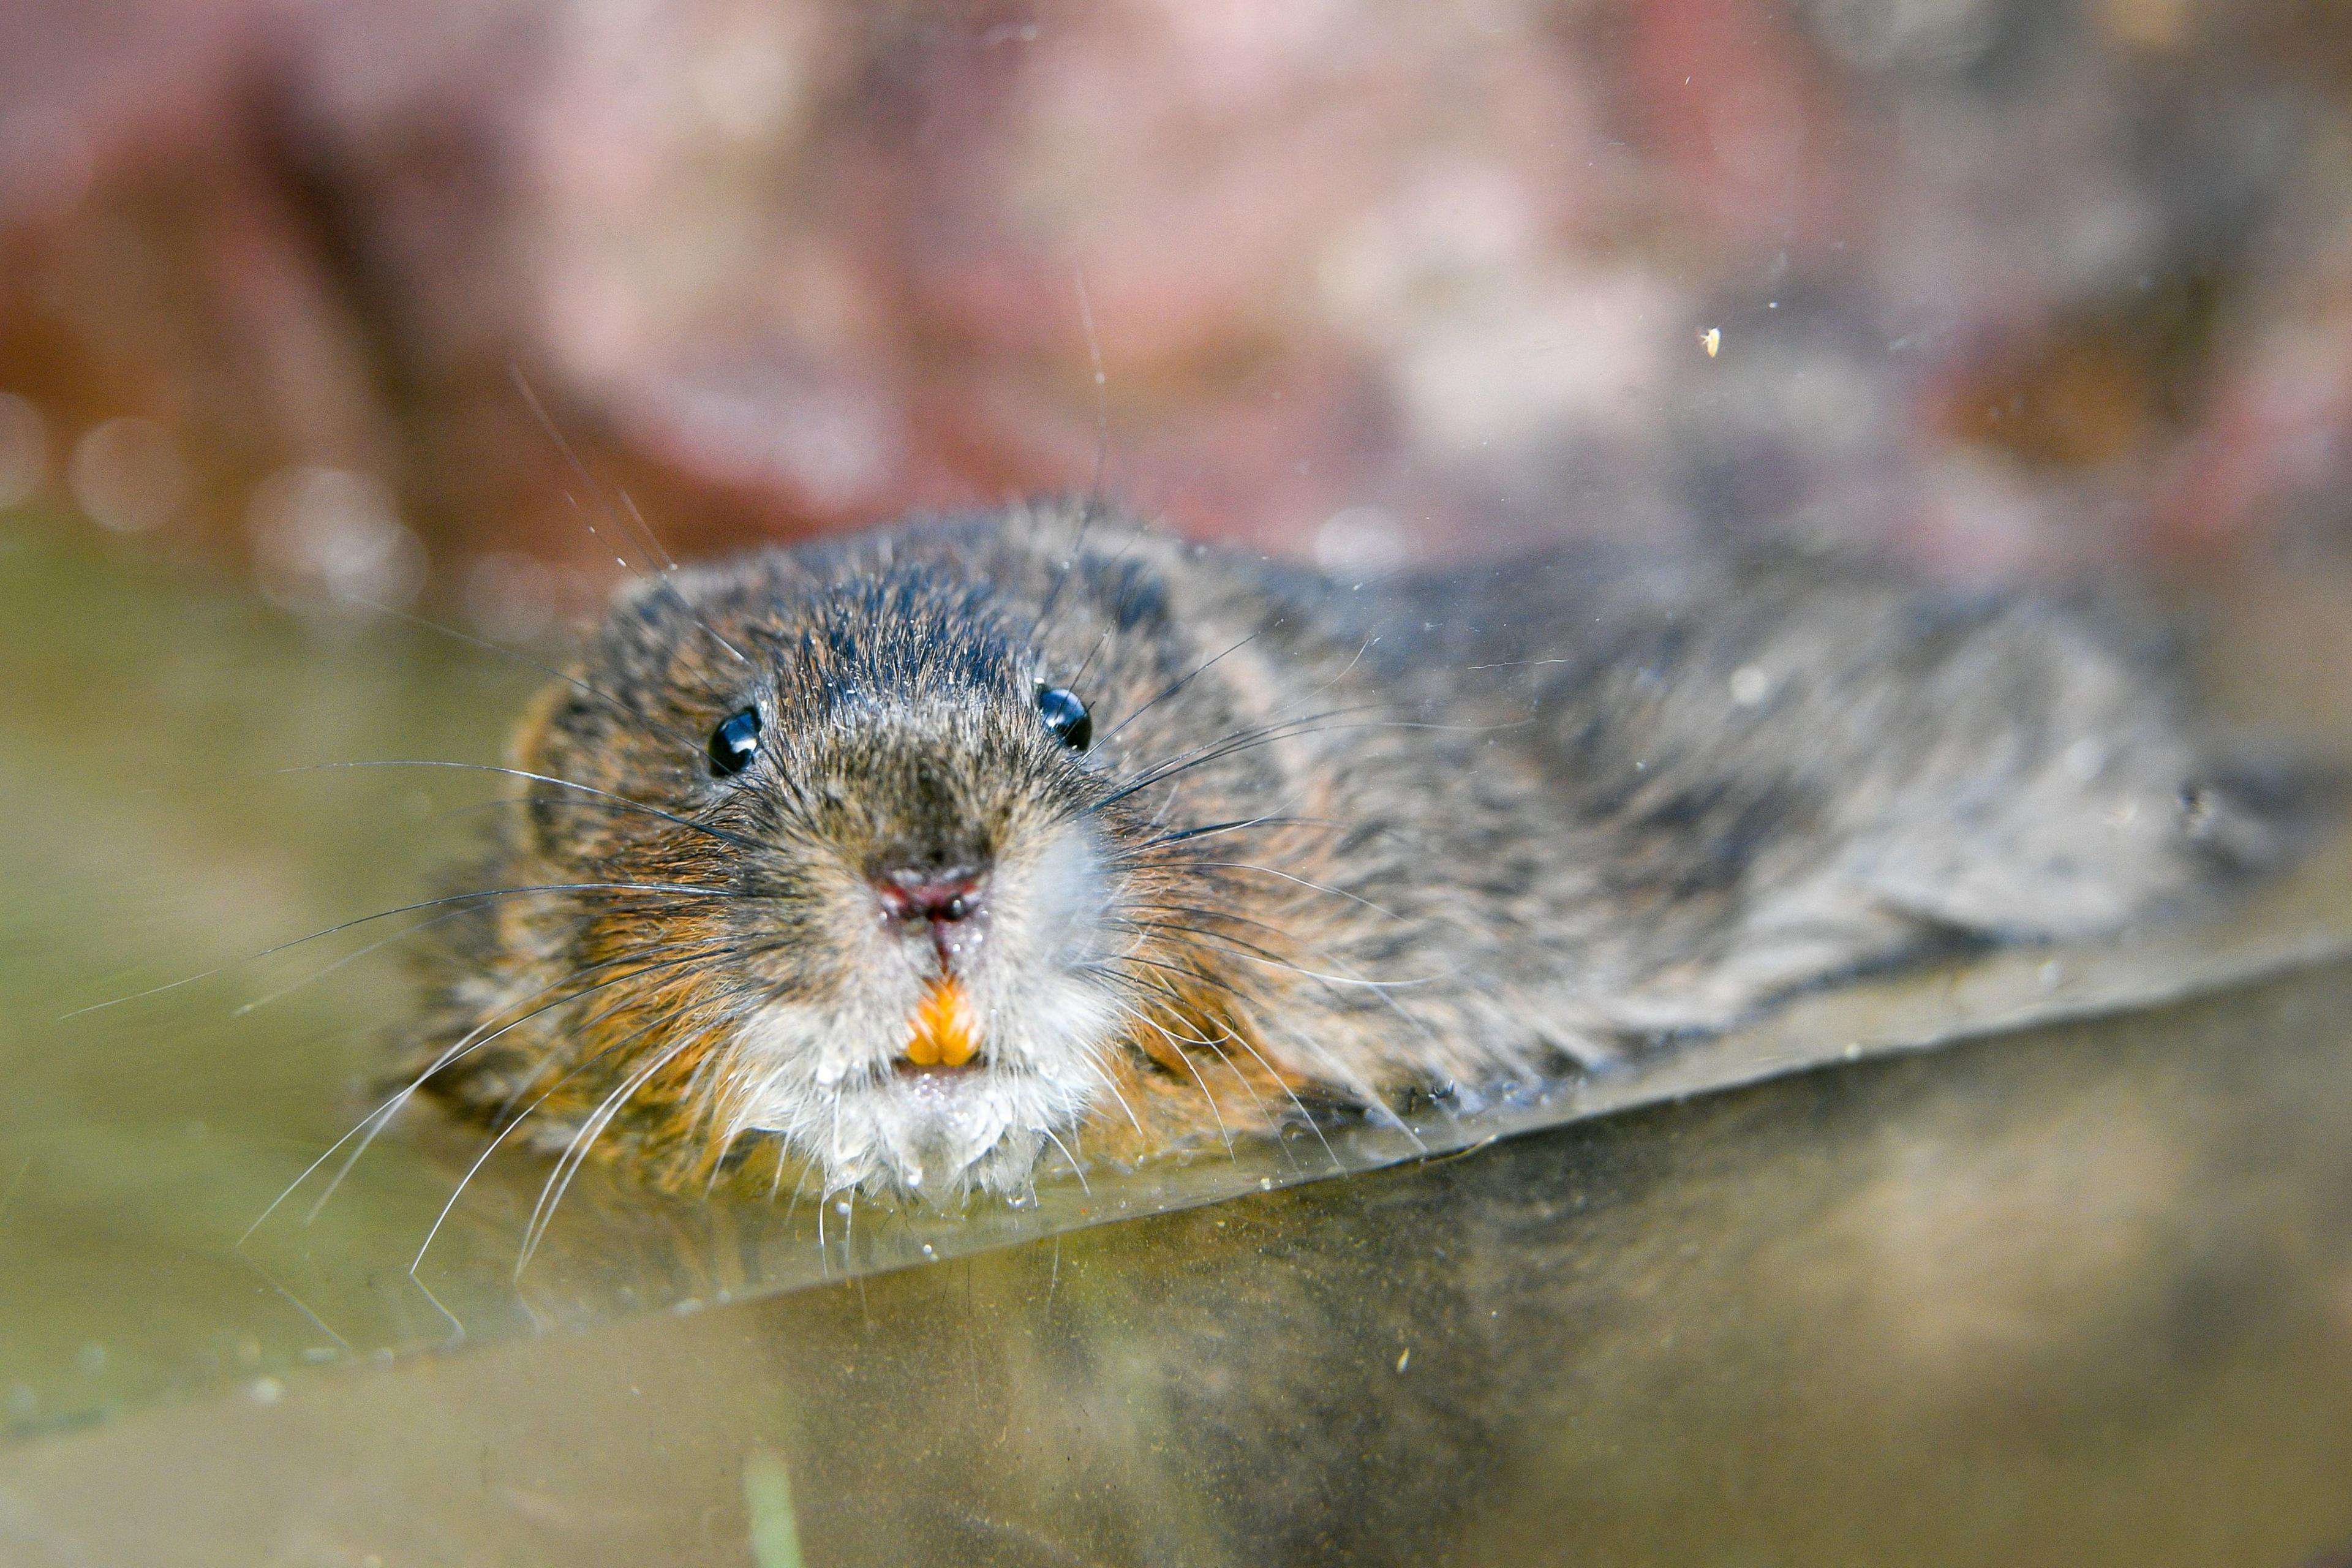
(1331, 842)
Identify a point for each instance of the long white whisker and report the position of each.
(1216, 1111)
(667, 567)
(606, 698)
(1217, 1048)
(372, 1127)
(1187, 679)
(382, 1114)
(1304, 1114)
(242, 1009)
(1249, 953)
(1075, 1169)
(1095, 1067)
(621, 800)
(479, 896)
(1302, 881)
(500, 1136)
(575, 1153)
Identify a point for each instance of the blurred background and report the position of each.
(2009, 289)
(2005, 285)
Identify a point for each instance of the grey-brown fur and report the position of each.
(1457, 829)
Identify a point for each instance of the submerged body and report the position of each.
(903, 862)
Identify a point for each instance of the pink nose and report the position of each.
(940, 897)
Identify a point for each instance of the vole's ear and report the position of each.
(528, 751)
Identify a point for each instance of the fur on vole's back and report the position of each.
(1314, 841)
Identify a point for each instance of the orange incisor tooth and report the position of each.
(946, 1034)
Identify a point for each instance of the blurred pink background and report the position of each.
(2003, 285)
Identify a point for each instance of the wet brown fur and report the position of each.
(1440, 834)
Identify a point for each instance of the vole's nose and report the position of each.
(937, 894)
(942, 902)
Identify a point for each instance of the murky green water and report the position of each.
(2080, 1291)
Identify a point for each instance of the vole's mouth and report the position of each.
(944, 1033)
(907, 1068)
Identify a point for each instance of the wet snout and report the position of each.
(930, 868)
(942, 896)
(941, 900)
(932, 871)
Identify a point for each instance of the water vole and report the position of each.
(899, 861)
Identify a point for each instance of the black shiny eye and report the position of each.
(735, 742)
(1066, 717)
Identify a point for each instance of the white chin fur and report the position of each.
(823, 1078)
(940, 1134)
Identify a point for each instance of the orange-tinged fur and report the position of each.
(1321, 847)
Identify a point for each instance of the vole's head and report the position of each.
(861, 879)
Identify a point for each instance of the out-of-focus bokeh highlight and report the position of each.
(2005, 285)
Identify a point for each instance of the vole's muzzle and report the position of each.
(947, 902)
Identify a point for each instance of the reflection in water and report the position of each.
(2080, 1295)
(2055, 1299)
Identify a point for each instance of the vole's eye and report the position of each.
(1065, 716)
(735, 742)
